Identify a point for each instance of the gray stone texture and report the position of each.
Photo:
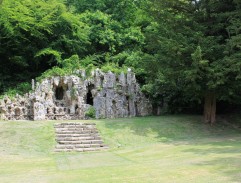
(70, 97)
(78, 137)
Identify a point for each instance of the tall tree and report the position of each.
(34, 36)
(188, 48)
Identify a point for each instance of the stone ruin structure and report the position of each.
(72, 97)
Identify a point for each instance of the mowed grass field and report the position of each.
(142, 150)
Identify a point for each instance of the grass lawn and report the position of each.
(142, 150)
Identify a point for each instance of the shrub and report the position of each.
(55, 71)
(20, 89)
(113, 67)
(90, 112)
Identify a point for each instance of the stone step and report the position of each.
(63, 150)
(90, 149)
(74, 146)
(81, 142)
(77, 135)
(96, 142)
(88, 145)
(65, 146)
(77, 138)
(77, 132)
(81, 149)
(76, 127)
(74, 124)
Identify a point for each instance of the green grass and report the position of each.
(142, 150)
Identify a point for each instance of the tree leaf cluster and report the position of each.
(181, 50)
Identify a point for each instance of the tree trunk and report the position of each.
(210, 108)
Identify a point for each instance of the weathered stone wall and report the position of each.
(70, 97)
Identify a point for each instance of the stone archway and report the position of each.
(59, 93)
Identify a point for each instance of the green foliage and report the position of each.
(55, 71)
(88, 69)
(178, 74)
(73, 93)
(113, 68)
(103, 30)
(20, 89)
(90, 59)
(37, 36)
(90, 112)
(72, 63)
(99, 89)
(49, 51)
(179, 49)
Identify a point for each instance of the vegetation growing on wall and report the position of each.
(90, 112)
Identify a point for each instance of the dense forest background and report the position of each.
(186, 53)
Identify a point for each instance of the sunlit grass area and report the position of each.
(142, 150)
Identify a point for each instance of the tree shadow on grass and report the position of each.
(216, 146)
(174, 129)
(222, 159)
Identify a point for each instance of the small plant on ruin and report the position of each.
(99, 88)
(73, 93)
(55, 71)
(90, 112)
(20, 89)
(113, 67)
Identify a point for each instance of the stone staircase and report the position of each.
(80, 137)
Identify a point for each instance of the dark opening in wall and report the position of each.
(59, 93)
(114, 108)
(136, 107)
(127, 103)
(9, 109)
(17, 112)
(89, 98)
(76, 109)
